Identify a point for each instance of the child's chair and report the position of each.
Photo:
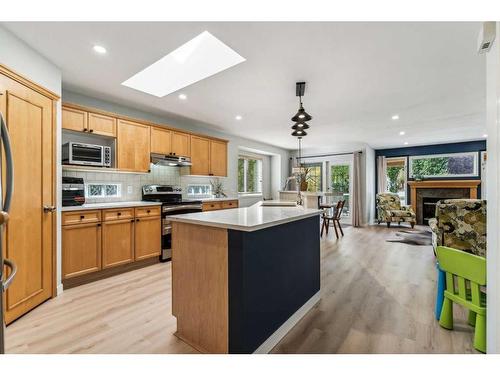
(465, 275)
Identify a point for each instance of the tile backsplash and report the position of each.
(131, 183)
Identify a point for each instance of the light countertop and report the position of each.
(100, 206)
(224, 199)
(247, 219)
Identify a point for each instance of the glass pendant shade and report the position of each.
(299, 133)
(300, 126)
(302, 115)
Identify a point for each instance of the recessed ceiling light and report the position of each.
(199, 58)
(183, 96)
(406, 143)
(402, 133)
(395, 117)
(99, 49)
(238, 117)
(485, 135)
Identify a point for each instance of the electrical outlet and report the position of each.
(129, 189)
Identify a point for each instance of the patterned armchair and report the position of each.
(389, 209)
(460, 224)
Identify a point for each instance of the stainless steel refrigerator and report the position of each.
(5, 201)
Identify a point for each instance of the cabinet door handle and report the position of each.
(136, 220)
(84, 129)
(99, 224)
(91, 130)
(148, 211)
(82, 217)
(119, 213)
(133, 220)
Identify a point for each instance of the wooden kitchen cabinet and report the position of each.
(117, 242)
(133, 146)
(161, 141)
(101, 124)
(200, 155)
(220, 205)
(218, 158)
(74, 119)
(147, 237)
(181, 145)
(81, 244)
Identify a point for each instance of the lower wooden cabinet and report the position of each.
(117, 242)
(147, 237)
(82, 249)
(97, 240)
(220, 205)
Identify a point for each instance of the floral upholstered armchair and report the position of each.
(460, 224)
(389, 209)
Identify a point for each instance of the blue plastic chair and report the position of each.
(441, 286)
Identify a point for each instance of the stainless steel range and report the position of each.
(172, 204)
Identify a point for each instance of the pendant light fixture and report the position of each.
(301, 116)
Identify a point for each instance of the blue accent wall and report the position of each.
(446, 148)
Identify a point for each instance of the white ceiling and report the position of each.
(358, 75)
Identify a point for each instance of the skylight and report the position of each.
(201, 57)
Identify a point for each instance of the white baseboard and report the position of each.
(59, 289)
(276, 337)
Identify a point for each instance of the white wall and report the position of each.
(21, 58)
(493, 182)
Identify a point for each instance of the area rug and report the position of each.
(413, 237)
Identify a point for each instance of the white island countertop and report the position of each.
(247, 219)
(103, 205)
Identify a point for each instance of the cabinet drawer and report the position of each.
(212, 206)
(81, 217)
(147, 211)
(230, 204)
(118, 214)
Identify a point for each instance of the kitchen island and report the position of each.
(242, 278)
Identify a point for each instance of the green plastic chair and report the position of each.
(465, 275)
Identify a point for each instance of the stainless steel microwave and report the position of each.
(86, 154)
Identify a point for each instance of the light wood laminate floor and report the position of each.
(377, 297)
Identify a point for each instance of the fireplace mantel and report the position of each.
(442, 184)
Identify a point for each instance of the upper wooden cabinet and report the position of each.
(218, 158)
(101, 124)
(181, 144)
(74, 119)
(161, 141)
(200, 155)
(133, 146)
(208, 156)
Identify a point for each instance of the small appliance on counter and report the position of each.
(73, 191)
(86, 154)
(172, 204)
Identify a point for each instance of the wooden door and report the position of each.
(218, 158)
(147, 237)
(133, 146)
(74, 119)
(102, 125)
(161, 141)
(29, 234)
(117, 242)
(200, 155)
(181, 144)
(81, 249)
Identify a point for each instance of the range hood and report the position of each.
(170, 160)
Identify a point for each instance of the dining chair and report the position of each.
(334, 218)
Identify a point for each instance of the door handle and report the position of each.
(47, 209)
(13, 270)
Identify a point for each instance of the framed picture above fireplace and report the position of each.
(462, 164)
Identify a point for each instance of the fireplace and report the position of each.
(425, 194)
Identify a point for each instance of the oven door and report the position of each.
(166, 237)
(85, 154)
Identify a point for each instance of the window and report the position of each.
(96, 190)
(314, 176)
(340, 183)
(199, 191)
(249, 175)
(444, 165)
(396, 177)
